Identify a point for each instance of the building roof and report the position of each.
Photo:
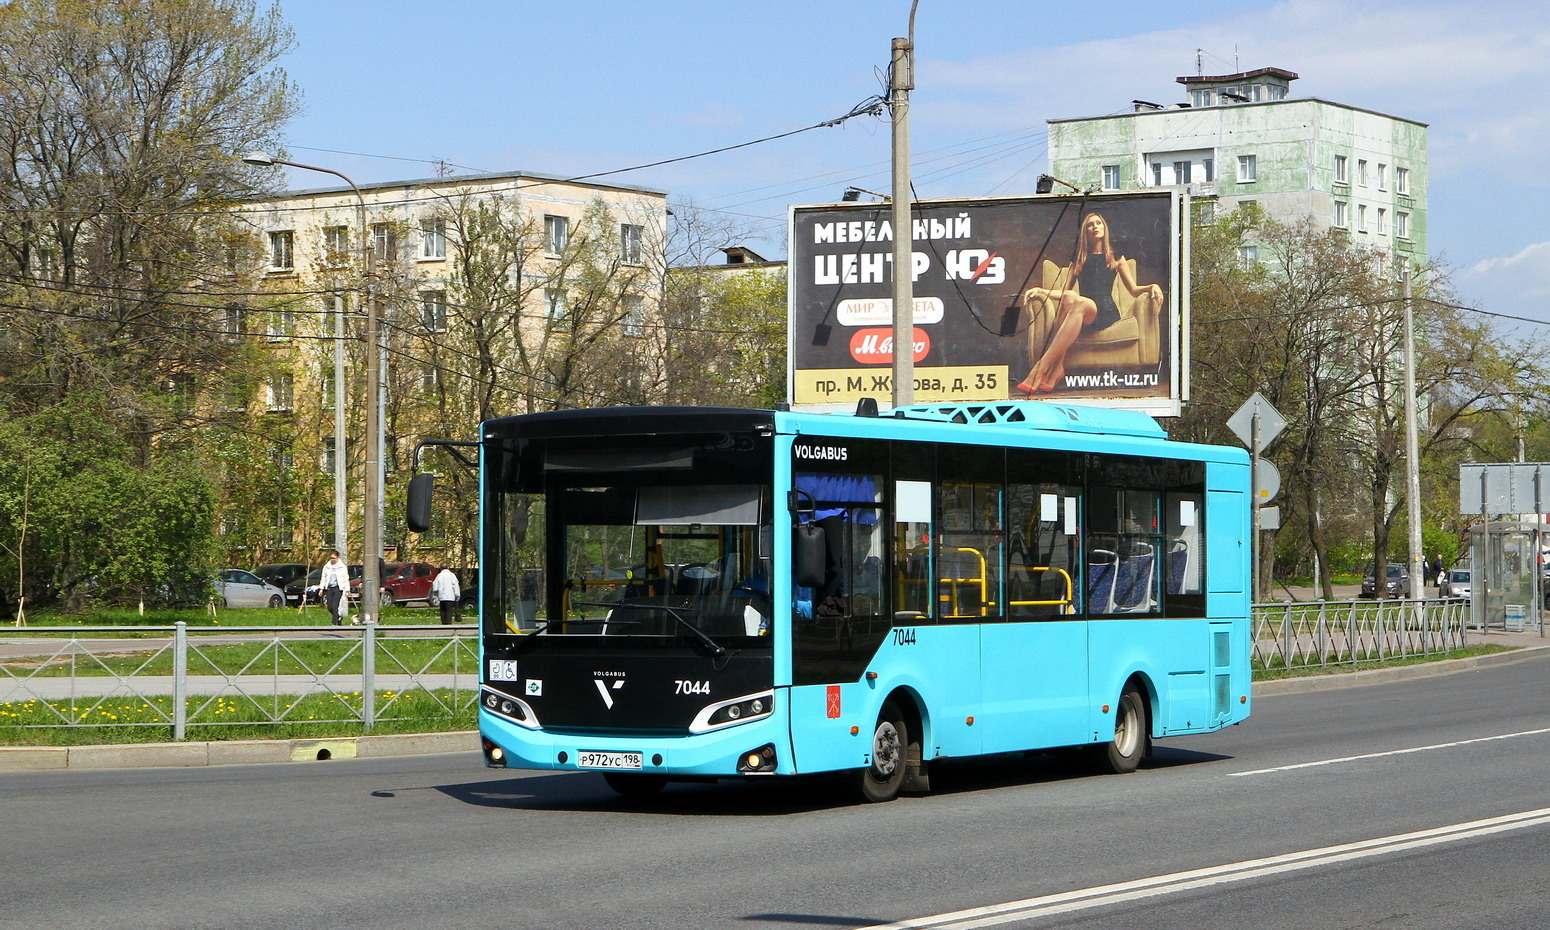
(1240, 106)
(1238, 78)
(462, 179)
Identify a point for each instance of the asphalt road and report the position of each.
(1409, 804)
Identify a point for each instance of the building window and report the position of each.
(1209, 164)
(1248, 254)
(1361, 217)
(1402, 225)
(281, 323)
(281, 391)
(1248, 168)
(336, 245)
(433, 239)
(1340, 214)
(1402, 180)
(1111, 177)
(235, 397)
(329, 457)
(282, 250)
(235, 319)
(631, 241)
(1181, 172)
(326, 391)
(384, 242)
(433, 310)
(1383, 176)
(1342, 171)
(1361, 172)
(429, 379)
(1200, 98)
(280, 534)
(1383, 222)
(554, 302)
(556, 234)
(1248, 204)
(634, 315)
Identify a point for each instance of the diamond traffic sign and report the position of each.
(1271, 423)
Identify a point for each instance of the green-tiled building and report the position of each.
(1243, 137)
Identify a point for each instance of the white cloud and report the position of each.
(1518, 284)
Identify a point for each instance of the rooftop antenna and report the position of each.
(1200, 69)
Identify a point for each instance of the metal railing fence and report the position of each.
(1325, 633)
(179, 677)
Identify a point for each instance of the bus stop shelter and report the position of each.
(1507, 575)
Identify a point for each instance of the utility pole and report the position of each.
(901, 82)
(1412, 453)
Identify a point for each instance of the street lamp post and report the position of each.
(371, 546)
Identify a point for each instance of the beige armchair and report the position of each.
(1132, 340)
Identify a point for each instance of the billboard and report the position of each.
(1069, 298)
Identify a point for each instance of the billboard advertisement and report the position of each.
(1068, 298)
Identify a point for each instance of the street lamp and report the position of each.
(371, 547)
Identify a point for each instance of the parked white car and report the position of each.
(237, 587)
(1457, 584)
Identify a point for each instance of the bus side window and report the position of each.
(1185, 559)
(913, 577)
(1042, 551)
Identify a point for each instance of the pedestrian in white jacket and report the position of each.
(447, 592)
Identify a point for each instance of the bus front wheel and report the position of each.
(1124, 752)
(884, 776)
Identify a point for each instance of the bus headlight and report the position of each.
(743, 709)
(509, 708)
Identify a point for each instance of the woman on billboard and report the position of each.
(1095, 299)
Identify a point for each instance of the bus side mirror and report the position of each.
(421, 488)
(808, 554)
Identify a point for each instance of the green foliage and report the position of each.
(79, 515)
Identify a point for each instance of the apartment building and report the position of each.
(1242, 138)
(479, 280)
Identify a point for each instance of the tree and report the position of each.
(1314, 323)
(119, 120)
(720, 338)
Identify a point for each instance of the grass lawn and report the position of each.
(117, 720)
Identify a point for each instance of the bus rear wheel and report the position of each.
(635, 786)
(1123, 753)
(884, 776)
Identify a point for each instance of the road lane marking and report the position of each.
(1105, 895)
(1392, 752)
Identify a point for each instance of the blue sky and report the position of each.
(572, 88)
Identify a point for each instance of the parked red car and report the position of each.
(403, 582)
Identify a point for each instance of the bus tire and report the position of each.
(884, 776)
(1123, 753)
(635, 786)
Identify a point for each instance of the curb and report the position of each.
(235, 752)
(1334, 680)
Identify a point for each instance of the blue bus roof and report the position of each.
(1065, 417)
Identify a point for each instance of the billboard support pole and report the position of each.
(899, 86)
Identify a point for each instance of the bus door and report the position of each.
(1035, 664)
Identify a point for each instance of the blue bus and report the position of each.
(692, 593)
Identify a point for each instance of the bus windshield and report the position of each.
(674, 562)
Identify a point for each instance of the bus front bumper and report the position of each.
(723, 753)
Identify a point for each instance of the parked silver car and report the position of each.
(1456, 584)
(237, 587)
